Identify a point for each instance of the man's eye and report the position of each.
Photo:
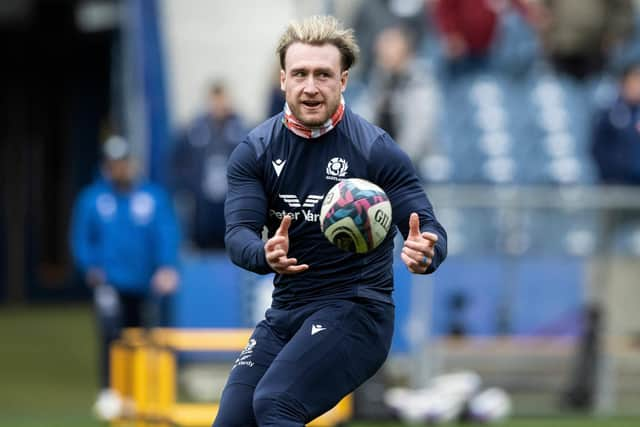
(298, 74)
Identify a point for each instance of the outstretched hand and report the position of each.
(417, 252)
(276, 249)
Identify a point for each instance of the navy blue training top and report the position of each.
(274, 172)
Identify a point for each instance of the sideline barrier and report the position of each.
(143, 371)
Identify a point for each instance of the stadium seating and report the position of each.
(517, 123)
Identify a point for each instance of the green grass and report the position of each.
(48, 374)
(48, 368)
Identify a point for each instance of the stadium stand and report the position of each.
(519, 259)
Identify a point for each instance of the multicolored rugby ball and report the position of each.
(355, 215)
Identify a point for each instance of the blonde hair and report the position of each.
(319, 30)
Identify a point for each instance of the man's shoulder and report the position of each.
(265, 133)
(199, 122)
(89, 195)
(95, 188)
(360, 132)
(616, 113)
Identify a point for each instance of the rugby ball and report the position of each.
(355, 215)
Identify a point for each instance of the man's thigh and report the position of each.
(236, 402)
(336, 349)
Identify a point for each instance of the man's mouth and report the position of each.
(311, 104)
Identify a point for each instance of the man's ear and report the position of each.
(344, 77)
(282, 79)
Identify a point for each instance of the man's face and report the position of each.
(392, 50)
(219, 107)
(313, 82)
(121, 172)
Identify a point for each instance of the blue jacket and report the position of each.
(616, 143)
(275, 172)
(126, 234)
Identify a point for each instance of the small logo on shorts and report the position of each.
(245, 356)
(317, 328)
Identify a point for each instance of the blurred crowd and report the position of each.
(422, 64)
(424, 54)
(416, 55)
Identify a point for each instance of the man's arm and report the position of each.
(82, 236)
(167, 230)
(84, 239)
(394, 172)
(166, 244)
(245, 211)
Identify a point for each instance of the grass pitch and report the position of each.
(48, 373)
(48, 367)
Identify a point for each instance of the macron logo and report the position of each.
(278, 164)
(317, 328)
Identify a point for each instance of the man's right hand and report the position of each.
(276, 249)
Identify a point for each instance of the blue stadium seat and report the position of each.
(475, 279)
(210, 294)
(522, 296)
(471, 231)
(545, 296)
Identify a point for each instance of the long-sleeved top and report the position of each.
(616, 143)
(274, 172)
(128, 235)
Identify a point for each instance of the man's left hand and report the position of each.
(417, 252)
(165, 280)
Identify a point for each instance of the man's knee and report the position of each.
(235, 407)
(278, 409)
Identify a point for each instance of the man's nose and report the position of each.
(310, 85)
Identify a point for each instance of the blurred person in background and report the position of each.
(578, 35)
(402, 97)
(370, 17)
(124, 239)
(616, 133)
(467, 30)
(276, 95)
(615, 148)
(200, 168)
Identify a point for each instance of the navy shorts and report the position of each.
(306, 360)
